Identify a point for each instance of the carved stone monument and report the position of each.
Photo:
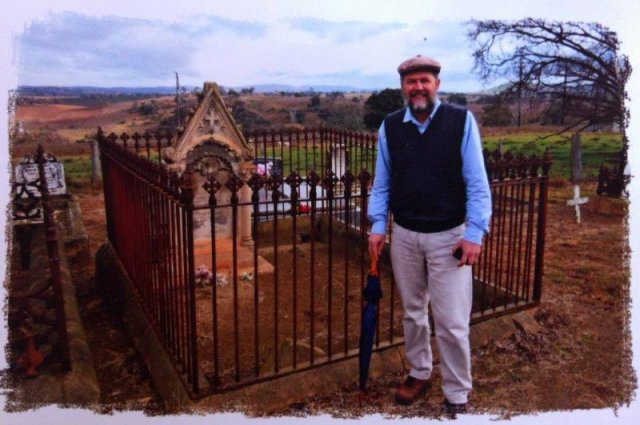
(213, 145)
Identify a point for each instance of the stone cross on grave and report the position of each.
(576, 174)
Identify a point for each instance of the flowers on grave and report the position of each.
(204, 277)
(264, 169)
(304, 208)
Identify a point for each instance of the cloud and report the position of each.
(344, 32)
(75, 49)
(357, 78)
(207, 24)
(69, 48)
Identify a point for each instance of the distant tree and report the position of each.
(458, 98)
(345, 117)
(233, 93)
(148, 109)
(497, 114)
(484, 99)
(314, 102)
(379, 104)
(249, 90)
(248, 119)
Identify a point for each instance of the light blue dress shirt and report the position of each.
(473, 172)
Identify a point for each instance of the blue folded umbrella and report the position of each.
(372, 294)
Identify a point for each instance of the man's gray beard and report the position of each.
(428, 108)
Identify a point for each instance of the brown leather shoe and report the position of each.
(411, 389)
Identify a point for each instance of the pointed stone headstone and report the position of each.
(211, 124)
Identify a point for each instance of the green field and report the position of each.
(77, 170)
(596, 149)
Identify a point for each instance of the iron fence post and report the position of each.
(542, 224)
(187, 192)
(51, 236)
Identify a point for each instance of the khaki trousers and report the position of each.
(426, 272)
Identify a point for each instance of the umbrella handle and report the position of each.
(374, 265)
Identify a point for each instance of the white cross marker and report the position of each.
(577, 201)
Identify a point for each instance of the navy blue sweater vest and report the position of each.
(427, 188)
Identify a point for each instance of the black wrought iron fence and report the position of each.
(273, 285)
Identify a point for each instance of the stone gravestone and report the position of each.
(26, 174)
(27, 208)
(576, 175)
(212, 145)
(339, 163)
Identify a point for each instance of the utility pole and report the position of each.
(177, 100)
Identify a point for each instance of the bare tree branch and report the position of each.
(573, 67)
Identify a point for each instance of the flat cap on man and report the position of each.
(419, 63)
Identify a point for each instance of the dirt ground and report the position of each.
(122, 375)
(295, 313)
(580, 359)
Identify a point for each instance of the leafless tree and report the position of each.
(575, 67)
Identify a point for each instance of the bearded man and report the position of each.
(430, 175)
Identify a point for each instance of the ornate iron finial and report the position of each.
(136, 137)
(521, 165)
(255, 182)
(534, 163)
(363, 177)
(348, 179)
(313, 179)
(329, 181)
(234, 183)
(273, 183)
(294, 180)
(212, 186)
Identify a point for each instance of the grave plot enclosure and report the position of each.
(248, 252)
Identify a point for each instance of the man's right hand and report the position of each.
(376, 243)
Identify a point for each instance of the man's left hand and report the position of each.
(470, 252)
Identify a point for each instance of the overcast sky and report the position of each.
(241, 42)
(301, 42)
(72, 48)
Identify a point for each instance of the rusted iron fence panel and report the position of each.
(150, 225)
(508, 276)
(238, 310)
(29, 304)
